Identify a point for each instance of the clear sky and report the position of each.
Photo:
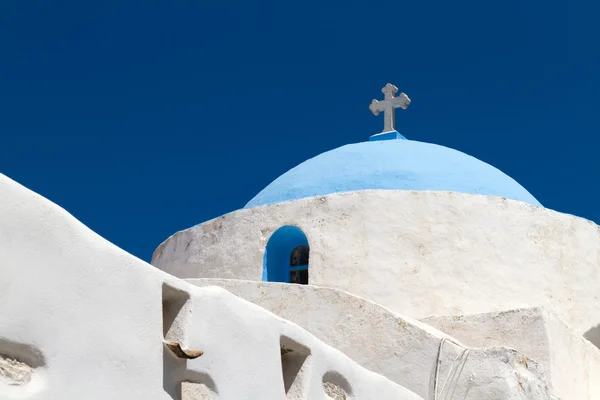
(142, 118)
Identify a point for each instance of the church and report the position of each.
(387, 269)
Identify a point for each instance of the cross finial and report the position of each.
(388, 104)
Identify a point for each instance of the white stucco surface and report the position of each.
(400, 348)
(572, 362)
(83, 319)
(419, 254)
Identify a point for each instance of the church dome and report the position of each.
(391, 165)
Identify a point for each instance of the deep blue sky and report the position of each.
(142, 118)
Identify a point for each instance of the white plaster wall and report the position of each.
(420, 254)
(400, 348)
(87, 318)
(572, 362)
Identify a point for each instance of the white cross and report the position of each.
(388, 105)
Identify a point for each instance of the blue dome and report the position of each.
(392, 165)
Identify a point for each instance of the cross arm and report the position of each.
(376, 107)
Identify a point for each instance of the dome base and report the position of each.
(391, 135)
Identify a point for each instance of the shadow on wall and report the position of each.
(19, 363)
(295, 367)
(286, 256)
(593, 335)
(179, 381)
(336, 387)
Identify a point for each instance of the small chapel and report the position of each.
(390, 269)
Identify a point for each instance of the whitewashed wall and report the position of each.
(417, 253)
(407, 351)
(572, 362)
(82, 319)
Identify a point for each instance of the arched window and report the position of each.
(286, 256)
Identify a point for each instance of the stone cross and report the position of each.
(388, 104)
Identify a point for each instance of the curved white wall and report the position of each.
(86, 320)
(401, 349)
(416, 253)
(405, 350)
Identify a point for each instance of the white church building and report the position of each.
(388, 269)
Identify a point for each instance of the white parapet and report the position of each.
(82, 319)
(407, 351)
(572, 362)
